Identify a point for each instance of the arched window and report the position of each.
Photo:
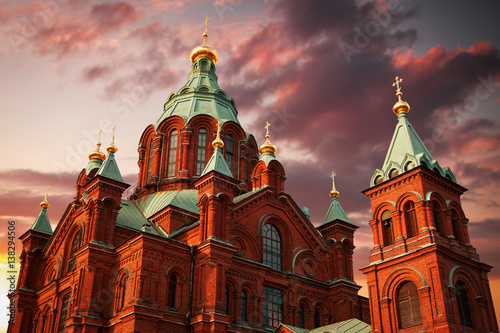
(301, 316)
(410, 219)
(226, 301)
(272, 246)
(121, 292)
(64, 312)
(243, 306)
(150, 159)
(201, 151)
(172, 291)
(455, 225)
(229, 151)
(463, 304)
(317, 319)
(408, 305)
(75, 245)
(273, 306)
(387, 228)
(436, 213)
(172, 154)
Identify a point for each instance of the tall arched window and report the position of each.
(243, 306)
(436, 214)
(455, 225)
(463, 304)
(272, 250)
(408, 305)
(387, 228)
(229, 151)
(172, 291)
(121, 292)
(172, 154)
(301, 316)
(272, 307)
(410, 219)
(64, 312)
(150, 159)
(201, 151)
(317, 319)
(75, 245)
(226, 301)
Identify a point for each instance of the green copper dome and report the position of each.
(200, 95)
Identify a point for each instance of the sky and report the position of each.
(320, 72)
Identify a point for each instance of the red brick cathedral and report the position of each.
(210, 241)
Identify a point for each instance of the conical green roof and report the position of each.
(406, 152)
(110, 169)
(217, 163)
(94, 163)
(42, 223)
(200, 95)
(335, 212)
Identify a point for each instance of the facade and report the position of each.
(424, 274)
(208, 242)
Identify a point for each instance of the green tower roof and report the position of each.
(42, 223)
(200, 95)
(110, 169)
(335, 212)
(94, 163)
(217, 163)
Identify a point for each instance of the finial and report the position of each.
(45, 202)
(218, 142)
(267, 146)
(333, 192)
(112, 147)
(97, 153)
(205, 33)
(400, 106)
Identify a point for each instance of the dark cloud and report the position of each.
(95, 72)
(111, 16)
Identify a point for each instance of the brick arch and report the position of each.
(303, 300)
(249, 241)
(407, 196)
(53, 265)
(383, 206)
(461, 273)
(451, 204)
(176, 270)
(306, 255)
(171, 123)
(431, 195)
(399, 276)
(246, 285)
(70, 235)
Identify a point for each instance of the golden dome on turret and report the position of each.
(267, 146)
(97, 153)
(204, 51)
(45, 202)
(218, 142)
(400, 106)
(333, 193)
(112, 147)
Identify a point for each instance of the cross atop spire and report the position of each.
(112, 146)
(218, 142)
(396, 84)
(45, 202)
(333, 192)
(205, 33)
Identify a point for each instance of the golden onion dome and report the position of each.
(204, 51)
(267, 146)
(334, 193)
(45, 202)
(218, 142)
(112, 147)
(97, 153)
(400, 106)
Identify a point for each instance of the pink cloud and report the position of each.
(110, 16)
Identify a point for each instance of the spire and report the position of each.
(217, 161)
(96, 157)
(406, 149)
(109, 168)
(204, 51)
(335, 211)
(42, 223)
(267, 150)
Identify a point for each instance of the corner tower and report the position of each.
(424, 273)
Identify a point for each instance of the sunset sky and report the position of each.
(320, 72)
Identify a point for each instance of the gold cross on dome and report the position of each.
(396, 84)
(267, 127)
(206, 23)
(99, 142)
(332, 176)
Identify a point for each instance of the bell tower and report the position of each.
(424, 273)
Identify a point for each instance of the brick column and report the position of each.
(376, 235)
(397, 226)
(184, 158)
(430, 217)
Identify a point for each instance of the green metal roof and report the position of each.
(151, 204)
(267, 157)
(335, 212)
(407, 151)
(200, 95)
(42, 223)
(110, 169)
(129, 216)
(347, 326)
(217, 163)
(94, 163)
